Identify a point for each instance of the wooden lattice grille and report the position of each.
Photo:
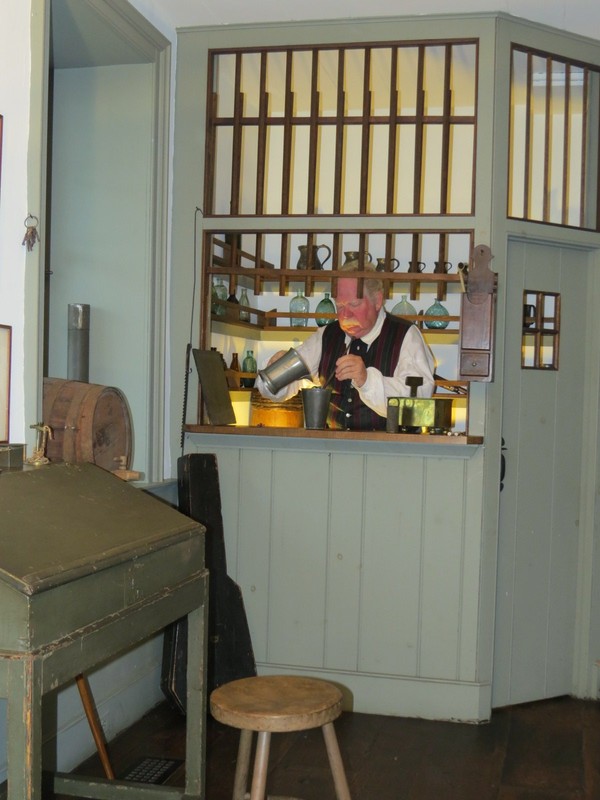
(361, 129)
(554, 149)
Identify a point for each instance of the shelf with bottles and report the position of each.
(265, 324)
(266, 258)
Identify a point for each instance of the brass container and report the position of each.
(426, 413)
(273, 414)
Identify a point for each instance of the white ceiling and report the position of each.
(83, 37)
(577, 16)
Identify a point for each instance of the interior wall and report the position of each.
(100, 242)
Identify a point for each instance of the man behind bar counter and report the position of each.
(369, 352)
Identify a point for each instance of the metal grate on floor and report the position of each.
(152, 770)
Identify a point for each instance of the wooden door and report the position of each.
(540, 500)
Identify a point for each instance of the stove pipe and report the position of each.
(78, 350)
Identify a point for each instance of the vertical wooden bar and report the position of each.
(339, 136)
(414, 257)
(420, 92)
(442, 251)
(237, 138)
(335, 260)
(566, 146)
(528, 144)
(585, 133)
(313, 133)
(366, 134)
(447, 108)
(547, 140)
(392, 138)
(310, 264)
(258, 281)
(287, 136)
(211, 140)
(262, 136)
(283, 281)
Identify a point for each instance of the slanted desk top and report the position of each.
(89, 566)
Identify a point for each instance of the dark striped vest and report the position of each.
(346, 411)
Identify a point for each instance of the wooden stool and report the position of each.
(277, 703)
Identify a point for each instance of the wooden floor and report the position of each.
(540, 751)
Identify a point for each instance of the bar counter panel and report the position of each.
(359, 561)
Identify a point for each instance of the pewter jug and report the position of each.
(310, 260)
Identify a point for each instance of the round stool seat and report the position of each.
(276, 703)
(267, 704)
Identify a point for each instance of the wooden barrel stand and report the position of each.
(90, 423)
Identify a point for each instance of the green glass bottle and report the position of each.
(325, 306)
(249, 365)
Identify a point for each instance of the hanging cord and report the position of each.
(188, 348)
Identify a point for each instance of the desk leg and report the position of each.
(24, 732)
(195, 758)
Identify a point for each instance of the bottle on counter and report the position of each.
(249, 365)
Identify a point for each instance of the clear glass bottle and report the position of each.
(249, 365)
(404, 308)
(219, 293)
(436, 310)
(244, 315)
(299, 304)
(325, 306)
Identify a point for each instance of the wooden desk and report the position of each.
(89, 567)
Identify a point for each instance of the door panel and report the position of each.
(539, 505)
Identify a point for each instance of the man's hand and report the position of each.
(279, 354)
(351, 368)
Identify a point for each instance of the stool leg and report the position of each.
(335, 760)
(261, 762)
(242, 767)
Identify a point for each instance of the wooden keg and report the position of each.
(89, 423)
(274, 414)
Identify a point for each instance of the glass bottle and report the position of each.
(325, 306)
(219, 293)
(244, 315)
(300, 304)
(235, 363)
(249, 365)
(404, 308)
(436, 310)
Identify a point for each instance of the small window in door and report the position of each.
(541, 330)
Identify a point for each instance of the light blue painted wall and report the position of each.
(100, 247)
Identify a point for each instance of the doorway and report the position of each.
(541, 500)
(108, 115)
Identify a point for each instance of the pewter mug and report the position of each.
(416, 266)
(290, 367)
(443, 266)
(382, 262)
(316, 263)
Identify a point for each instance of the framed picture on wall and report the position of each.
(5, 339)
